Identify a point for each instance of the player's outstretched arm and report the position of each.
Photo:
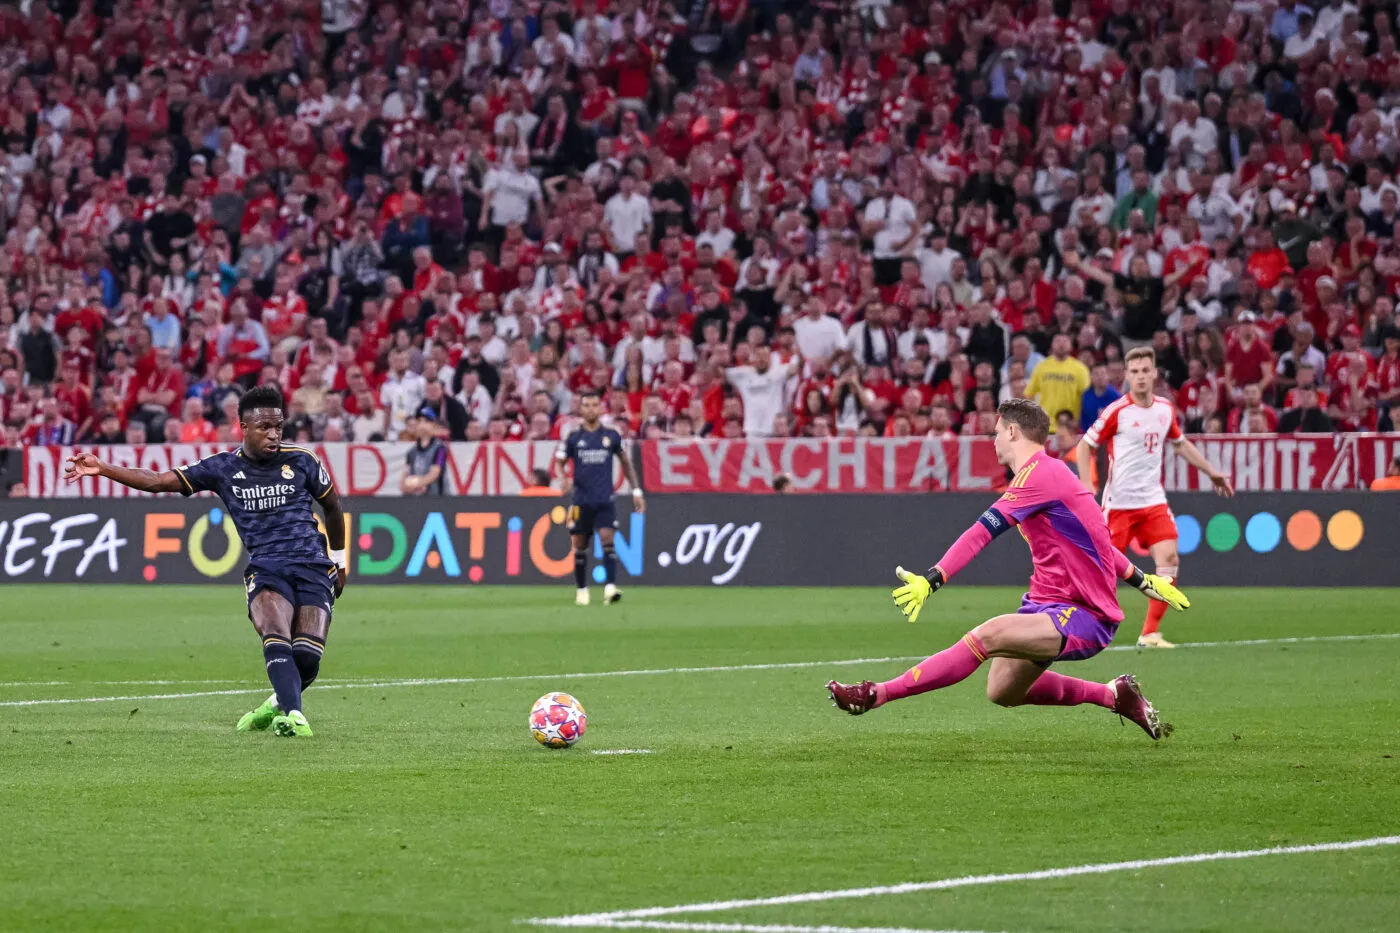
(1193, 456)
(335, 532)
(81, 465)
(915, 591)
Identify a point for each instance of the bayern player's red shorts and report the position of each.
(1146, 526)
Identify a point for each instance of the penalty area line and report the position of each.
(624, 919)
(388, 683)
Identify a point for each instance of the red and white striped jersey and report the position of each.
(1136, 439)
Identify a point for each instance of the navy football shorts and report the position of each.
(586, 519)
(299, 584)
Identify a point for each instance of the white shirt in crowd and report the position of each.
(722, 241)
(314, 110)
(401, 397)
(899, 216)
(1312, 356)
(1371, 200)
(1101, 206)
(544, 49)
(880, 349)
(1299, 45)
(1214, 214)
(477, 404)
(1202, 134)
(626, 217)
(938, 343)
(511, 193)
(525, 121)
(598, 22)
(1207, 312)
(819, 339)
(494, 351)
(653, 354)
(341, 16)
(1166, 81)
(1329, 19)
(764, 394)
(936, 267)
(905, 341)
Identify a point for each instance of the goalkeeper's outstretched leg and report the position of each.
(1021, 647)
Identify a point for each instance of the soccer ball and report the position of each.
(557, 720)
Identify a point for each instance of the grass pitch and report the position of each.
(428, 807)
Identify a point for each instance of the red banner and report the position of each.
(846, 464)
(498, 469)
(1288, 462)
(1265, 463)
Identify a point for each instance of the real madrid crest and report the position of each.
(287, 471)
(607, 442)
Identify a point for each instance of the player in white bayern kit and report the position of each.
(1137, 429)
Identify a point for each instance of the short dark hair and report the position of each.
(260, 397)
(590, 393)
(1028, 416)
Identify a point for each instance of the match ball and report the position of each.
(557, 720)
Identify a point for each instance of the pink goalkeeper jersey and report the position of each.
(1074, 559)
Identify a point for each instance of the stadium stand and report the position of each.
(728, 217)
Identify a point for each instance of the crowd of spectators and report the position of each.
(728, 217)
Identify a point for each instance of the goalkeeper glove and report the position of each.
(910, 597)
(1160, 589)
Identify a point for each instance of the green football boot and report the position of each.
(260, 718)
(292, 724)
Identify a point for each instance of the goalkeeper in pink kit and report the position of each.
(1071, 611)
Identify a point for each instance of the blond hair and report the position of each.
(1141, 353)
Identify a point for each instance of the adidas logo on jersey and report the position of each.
(239, 475)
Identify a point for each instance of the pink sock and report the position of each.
(1058, 690)
(947, 667)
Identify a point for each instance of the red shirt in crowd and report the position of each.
(1248, 361)
(172, 380)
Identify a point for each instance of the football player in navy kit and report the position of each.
(292, 581)
(591, 448)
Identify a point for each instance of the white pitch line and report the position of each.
(324, 681)
(720, 669)
(448, 681)
(1248, 642)
(615, 918)
(760, 928)
(160, 683)
(622, 751)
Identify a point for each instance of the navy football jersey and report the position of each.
(269, 502)
(592, 454)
